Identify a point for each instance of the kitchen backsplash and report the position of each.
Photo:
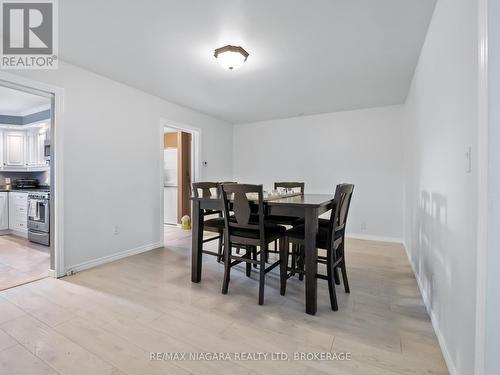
(43, 177)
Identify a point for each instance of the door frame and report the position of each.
(57, 152)
(196, 163)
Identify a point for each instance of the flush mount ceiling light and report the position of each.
(231, 57)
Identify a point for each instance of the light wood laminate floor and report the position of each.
(21, 261)
(108, 319)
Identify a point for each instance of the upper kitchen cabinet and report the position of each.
(35, 146)
(14, 149)
(43, 135)
(32, 158)
(23, 150)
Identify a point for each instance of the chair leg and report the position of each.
(227, 266)
(344, 276)
(294, 257)
(262, 271)
(336, 275)
(219, 249)
(249, 265)
(284, 252)
(331, 282)
(254, 252)
(300, 261)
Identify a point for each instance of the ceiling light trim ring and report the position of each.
(230, 48)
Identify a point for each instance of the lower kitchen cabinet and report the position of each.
(4, 210)
(18, 212)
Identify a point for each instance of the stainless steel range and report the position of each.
(39, 217)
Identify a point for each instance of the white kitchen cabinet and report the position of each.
(35, 149)
(32, 154)
(42, 137)
(4, 210)
(18, 212)
(14, 149)
(23, 150)
(1, 148)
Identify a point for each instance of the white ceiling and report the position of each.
(306, 56)
(20, 103)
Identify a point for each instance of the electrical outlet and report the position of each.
(363, 226)
(116, 229)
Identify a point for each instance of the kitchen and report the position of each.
(25, 121)
(177, 166)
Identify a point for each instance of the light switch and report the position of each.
(468, 160)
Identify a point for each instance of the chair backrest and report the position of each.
(207, 189)
(290, 185)
(236, 199)
(341, 203)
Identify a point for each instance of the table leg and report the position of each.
(311, 257)
(197, 243)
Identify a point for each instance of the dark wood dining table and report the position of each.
(307, 206)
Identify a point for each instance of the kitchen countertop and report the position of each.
(34, 190)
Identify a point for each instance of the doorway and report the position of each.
(26, 121)
(177, 156)
(31, 180)
(180, 149)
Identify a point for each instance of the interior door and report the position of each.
(184, 172)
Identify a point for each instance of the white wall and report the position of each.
(112, 161)
(488, 288)
(363, 147)
(441, 198)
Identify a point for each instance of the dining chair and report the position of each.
(214, 224)
(248, 229)
(286, 220)
(330, 237)
(290, 185)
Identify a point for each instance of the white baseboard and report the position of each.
(435, 323)
(373, 238)
(111, 258)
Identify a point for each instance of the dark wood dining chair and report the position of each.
(290, 185)
(214, 224)
(331, 237)
(248, 229)
(286, 220)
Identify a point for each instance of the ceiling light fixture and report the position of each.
(231, 57)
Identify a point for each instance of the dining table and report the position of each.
(306, 206)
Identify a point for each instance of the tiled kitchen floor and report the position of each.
(21, 261)
(108, 320)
